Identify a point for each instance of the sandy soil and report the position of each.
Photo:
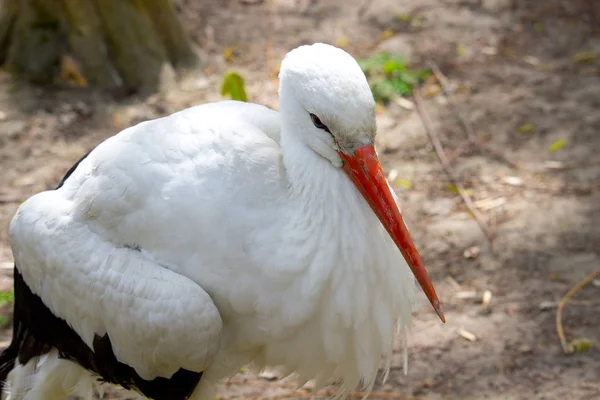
(511, 63)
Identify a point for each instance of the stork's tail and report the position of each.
(10, 354)
(24, 344)
(7, 362)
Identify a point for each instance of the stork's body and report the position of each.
(224, 234)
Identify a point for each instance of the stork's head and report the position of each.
(326, 103)
(325, 94)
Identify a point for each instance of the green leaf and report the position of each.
(402, 87)
(383, 90)
(455, 190)
(579, 345)
(392, 66)
(410, 77)
(526, 128)
(404, 183)
(403, 18)
(584, 57)
(390, 76)
(374, 64)
(233, 85)
(559, 144)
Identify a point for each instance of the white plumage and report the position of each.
(226, 234)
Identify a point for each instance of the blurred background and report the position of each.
(507, 92)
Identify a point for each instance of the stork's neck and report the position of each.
(313, 180)
(323, 207)
(301, 165)
(312, 177)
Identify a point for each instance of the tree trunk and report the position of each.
(8, 16)
(36, 41)
(133, 45)
(85, 37)
(174, 38)
(106, 43)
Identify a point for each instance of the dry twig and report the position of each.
(441, 78)
(585, 303)
(363, 8)
(439, 150)
(559, 327)
(590, 385)
(353, 395)
(10, 201)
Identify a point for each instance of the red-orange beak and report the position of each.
(365, 171)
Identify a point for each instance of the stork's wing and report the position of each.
(155, 185)
(157, 320)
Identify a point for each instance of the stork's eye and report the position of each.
(317, 122)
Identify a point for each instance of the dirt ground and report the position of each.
(525, 73)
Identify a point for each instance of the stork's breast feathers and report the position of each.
(158, 321)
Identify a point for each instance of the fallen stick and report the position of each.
(10, 201)
(585, 303)
(441, 78)
(439, 150)
(321, 393)
(352, 395)
(590, 385)
(559, 326)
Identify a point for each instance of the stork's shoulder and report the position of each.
(261, 117)
(227, 133)
(222, 120)
(232, 125)
(201, 147)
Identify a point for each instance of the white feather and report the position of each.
(99, 287)
(236, 202)
(49, 377)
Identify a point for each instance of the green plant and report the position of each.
(233, 85)
(390, 76)
(6, 298)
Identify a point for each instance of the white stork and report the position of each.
(186, 247)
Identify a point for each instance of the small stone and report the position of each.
(486, 298)
(513, 180)
(201, 83)
(471, 253)
(269, 375)
(547, 305)
(524, 349)
(467, 335)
